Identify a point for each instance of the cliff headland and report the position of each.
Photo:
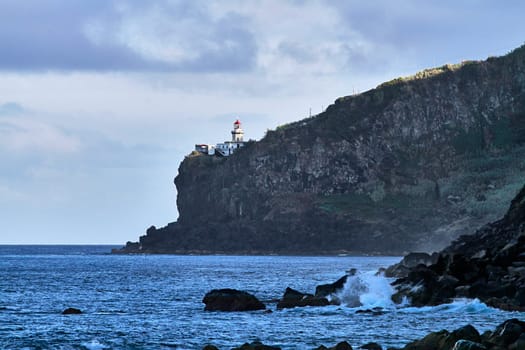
(410, 165)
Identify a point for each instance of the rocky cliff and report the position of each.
(488, 265)
(409, 165)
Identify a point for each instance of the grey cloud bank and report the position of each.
(122, 36)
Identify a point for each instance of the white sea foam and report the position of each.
(94, 345)
(470, 306)
(367, 291)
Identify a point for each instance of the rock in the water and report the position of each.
(231, 300)
(464, 333)
(325, 290)
(256, 346)
(210, 347)
(433, 341)
(376, 311)
(293, 298)
(71, 311)
(508, 335)
(340, 346)
(371, 346)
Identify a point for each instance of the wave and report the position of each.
(367, 291)
(462, 305)
(94, 345)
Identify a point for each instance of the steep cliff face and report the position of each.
(409, 165)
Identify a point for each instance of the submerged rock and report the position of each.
(71, 311)
(231, 300)
(376, 311)
(293, 298)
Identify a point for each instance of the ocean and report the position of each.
(155, 302)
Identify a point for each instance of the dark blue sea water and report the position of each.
(155, 302)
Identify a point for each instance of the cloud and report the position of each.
(411, 35)
(27, 135)
(11, 108)
(122, 36)
(269, 38)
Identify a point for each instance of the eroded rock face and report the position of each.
(488, 265)
(231, 300)
(407, 166)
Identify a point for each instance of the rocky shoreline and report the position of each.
(488, 265)
(510, 335)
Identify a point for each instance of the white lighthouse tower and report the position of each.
(237, 132)
(228, 147)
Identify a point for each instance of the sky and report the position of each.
(100, 100)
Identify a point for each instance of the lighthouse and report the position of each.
(227, 148)
(237, 132)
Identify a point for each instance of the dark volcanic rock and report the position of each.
(340, 346)
(371, 346)
(432, 341)
(256, 346)
(508, 335)
(402, 167)
(210, 347)
(486, 265)
(325, 290)
(468, 345)
(71, 311)
(231, 300)
(293, 298)
(376, 311)
(409, 261)
(444, 340)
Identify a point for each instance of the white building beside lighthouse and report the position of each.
(226, 148)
